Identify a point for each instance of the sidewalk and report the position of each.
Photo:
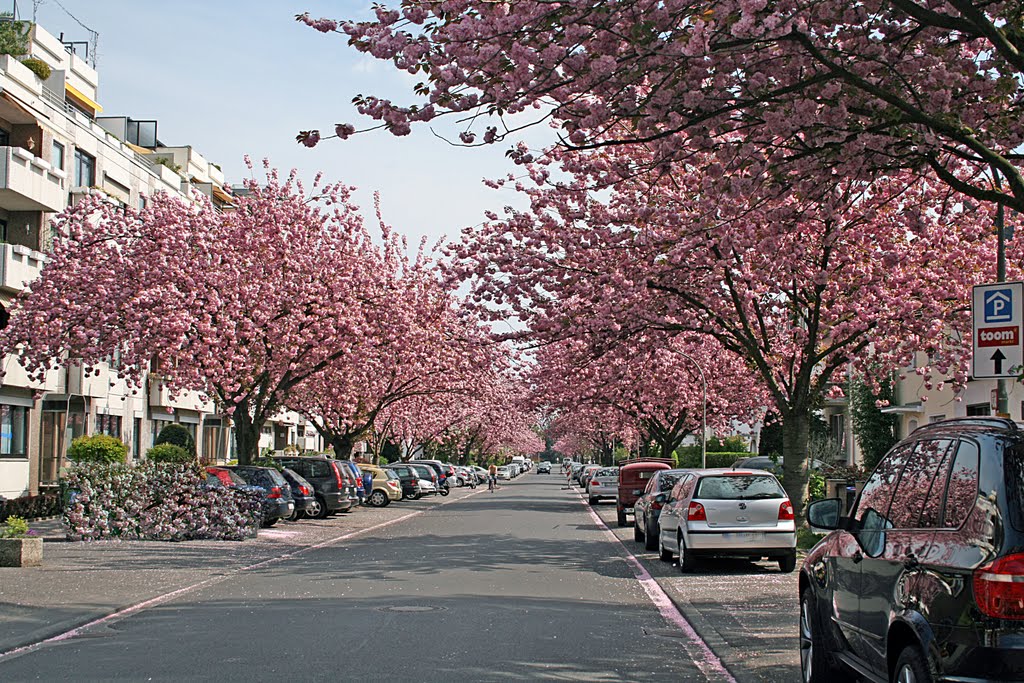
(80, 582)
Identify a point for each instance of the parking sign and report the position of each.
(998, 313)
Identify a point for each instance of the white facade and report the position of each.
(55, 147)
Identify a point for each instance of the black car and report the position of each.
(303, 494)
(924, 581)
(331, 487)
(409, 478)
(277, 501)
(544, 468)
(648, 506)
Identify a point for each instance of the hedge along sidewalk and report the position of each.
(83, 581)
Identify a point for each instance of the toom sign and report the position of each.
(998, 314)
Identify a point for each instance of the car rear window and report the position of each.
(608, 472)
(738, 487)
(1013, 475)
(667, 481)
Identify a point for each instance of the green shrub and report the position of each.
(169, 453)
(177, 435)
(14, 527)
(97, 448)
(690, 457)
(38, 67)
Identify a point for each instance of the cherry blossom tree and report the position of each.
(922, 85)
(419, 344)
(653, 380)
(800, 286)
(242, 305)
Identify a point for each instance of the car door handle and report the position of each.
(857, 557)
(910, 561)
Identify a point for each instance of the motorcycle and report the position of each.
(443, 488)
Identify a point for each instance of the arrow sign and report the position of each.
(998, 357)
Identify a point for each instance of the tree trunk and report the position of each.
(342, 446)
(247, 435)
(665, 447)
(795, 440)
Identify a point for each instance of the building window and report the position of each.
(3, 230)
(85, 169)
(142, 202)
(5, 138)
(979, 409)
(13, 428)
(109, 425)
(57, 155)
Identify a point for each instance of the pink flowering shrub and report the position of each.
(154, 501)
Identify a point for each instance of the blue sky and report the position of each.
(236, 78)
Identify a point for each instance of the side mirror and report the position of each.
(825, 514)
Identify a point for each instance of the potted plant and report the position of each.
(18, 546)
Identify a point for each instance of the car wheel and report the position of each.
(664, 554)
(267, 523)
(620, 517)
(638, 535)
(592, 500)
(317, 509)
(912, 667)
(417, 495)
(815, 664)
(650, 540)
(295, 516)
(379, 499)
(687, 562)
(787, 563)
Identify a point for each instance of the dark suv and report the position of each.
(924, 581)
(332, 489)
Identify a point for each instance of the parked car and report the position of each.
(356, 476)
(408, 478)
(586, 474)
(428, 473)
(603, 483)
(728, 513)
(440, 468)
(647, 508)
(765, 462)
(633, 477)
(303, 494)
(544, 468)
(224, 477)
(574, 471)
(504, 472)
(924, 580)
(277, 498)
(386, 486)
(332, 488)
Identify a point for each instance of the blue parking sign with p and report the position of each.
(998, 305)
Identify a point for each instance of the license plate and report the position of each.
(744, 536)
(629, 510)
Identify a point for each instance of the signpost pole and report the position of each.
(1002, 398)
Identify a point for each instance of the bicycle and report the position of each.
(491, 483)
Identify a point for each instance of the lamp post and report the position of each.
(703, 410)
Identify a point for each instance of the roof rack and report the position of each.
(978, 420)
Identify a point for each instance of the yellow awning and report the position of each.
(140, 150)
(80, 97)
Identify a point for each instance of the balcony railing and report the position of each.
(19, 266)
(28, 183)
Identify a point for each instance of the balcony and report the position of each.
(160, 397)
(19, 266)
(28, 183)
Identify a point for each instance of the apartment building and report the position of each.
(56, 147)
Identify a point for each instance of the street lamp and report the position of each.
(703, 410)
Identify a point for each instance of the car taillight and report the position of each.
(786, 511)
(595, 482)
(275, 492)
(999, 587)
(695, 513)
(338, 478)
(655, 505)
(306, 491)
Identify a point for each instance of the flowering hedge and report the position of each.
(154, 501)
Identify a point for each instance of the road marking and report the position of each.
(160, 599)
(710, 662)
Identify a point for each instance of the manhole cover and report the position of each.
(410, 608)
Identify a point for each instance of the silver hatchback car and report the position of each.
(728, 513)
(604, 483)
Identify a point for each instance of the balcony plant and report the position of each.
(19, 547)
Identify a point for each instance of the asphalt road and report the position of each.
(520, 584)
